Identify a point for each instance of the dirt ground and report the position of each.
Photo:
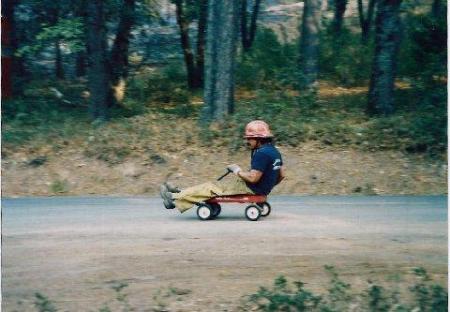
(74, 251)
(311, 169)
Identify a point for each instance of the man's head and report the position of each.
(257, 132)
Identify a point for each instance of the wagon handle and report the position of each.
(224, 175)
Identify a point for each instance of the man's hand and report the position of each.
(234, 168)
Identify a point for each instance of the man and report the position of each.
(266, 172)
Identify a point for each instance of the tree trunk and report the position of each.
(366, 21)
(220, 59)
(80, 58)
(339, 11)
(188, 54)
(59, 69)
(436, 8)
(248, 32)
(80, 64)
(119, 51)
(201, 32)
(98, 79)
(309, 44)
(7, 48)
(387, 38)
(14, 72)
(244, 35)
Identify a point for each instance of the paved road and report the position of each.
(74, 248)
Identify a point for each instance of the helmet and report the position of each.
(257, 129)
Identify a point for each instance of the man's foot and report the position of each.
(172, 188)
(167, 197)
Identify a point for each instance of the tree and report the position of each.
(8, 49)
(339, 11)
(53, 13)
(220, 59)
(186, 12)
(387, 38)
(59, 70)
(436, 8)
(248, 32)
(119, 51)
(309, 44)
(46, 25)
(80, 58)
(98, 80)
(365, 21)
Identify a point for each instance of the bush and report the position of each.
(43, 304)
(423, 53)
(59, 186)
(166, 85)
(269, 64)
(343, 58)
(284, 297)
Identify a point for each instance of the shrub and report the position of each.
(43, 304)
(284, 297)
(343, 58)
(59, 186)
(269, 64)
(166, 85)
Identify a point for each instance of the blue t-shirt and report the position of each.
(266, 159)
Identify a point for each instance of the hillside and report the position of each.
(135, 155)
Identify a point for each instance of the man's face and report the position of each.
(252, 143)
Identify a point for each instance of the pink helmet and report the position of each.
(257, 129)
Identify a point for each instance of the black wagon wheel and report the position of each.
(216, 209)
(204, 212)
(252, 212)
(265, 209)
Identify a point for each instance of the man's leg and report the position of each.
(200, 193)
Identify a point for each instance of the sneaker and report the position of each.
(172, 188)
(167, 197)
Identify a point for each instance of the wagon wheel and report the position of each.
(216, 209)
(204, 212)
(265, 209)
(252, 212)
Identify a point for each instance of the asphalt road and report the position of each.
(73, 249)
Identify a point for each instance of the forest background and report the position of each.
(117, 96)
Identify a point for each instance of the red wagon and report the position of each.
(258, 207)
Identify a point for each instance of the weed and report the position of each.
(105, 148)
(428, 297)
(122, 297)
(287, 296)
(59, 186)
(160, 300)
(38, 161)
(376, 298)
(43, 304)
(104, 309)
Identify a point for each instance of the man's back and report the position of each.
(266, 159)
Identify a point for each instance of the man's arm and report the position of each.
(282, 175)
(252, 176)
